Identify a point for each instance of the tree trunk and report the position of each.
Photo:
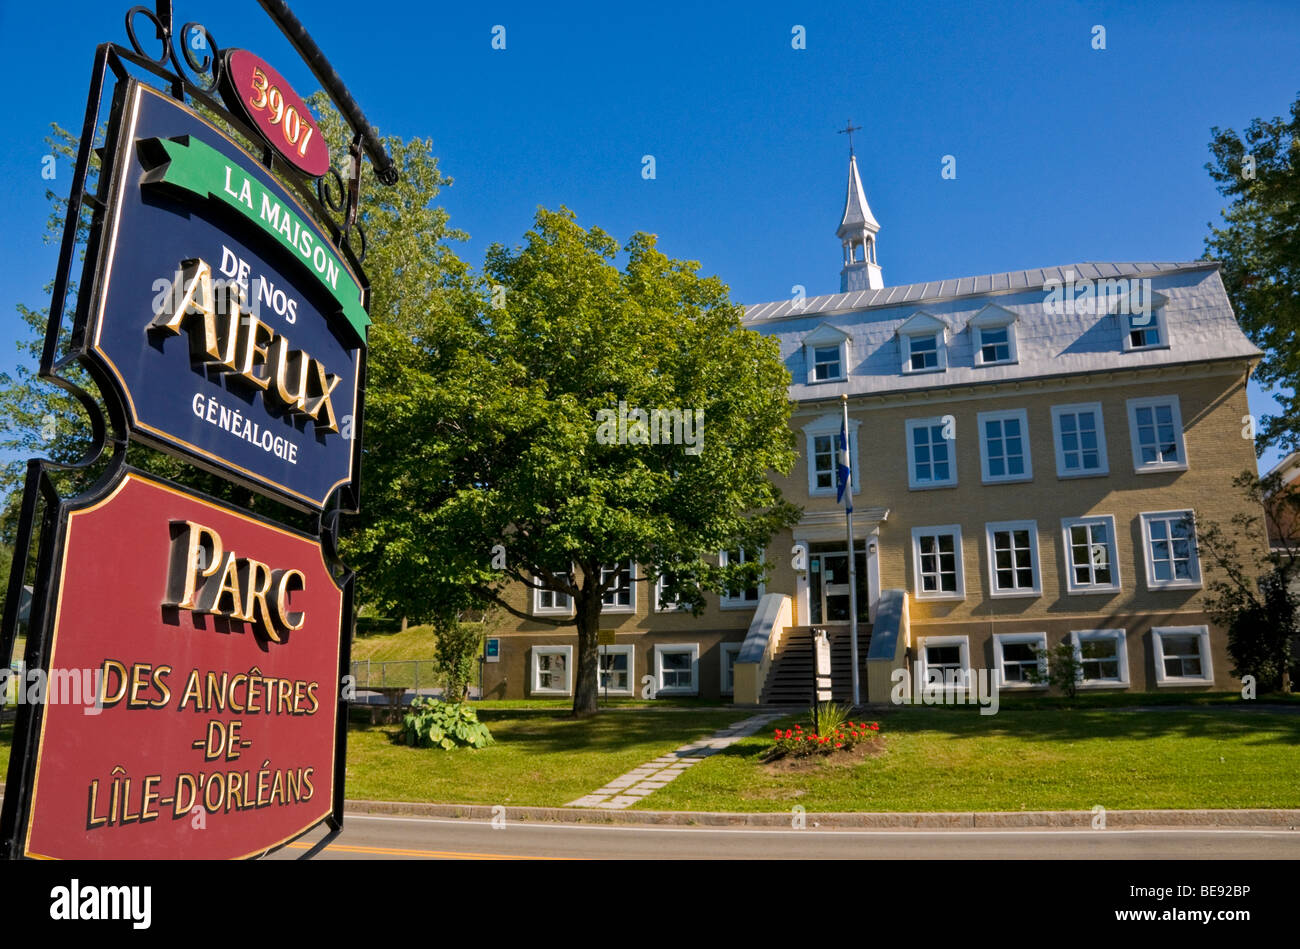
(587, 680)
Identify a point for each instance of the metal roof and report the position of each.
(1194, 307)
(931, 290)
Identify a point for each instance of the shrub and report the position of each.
(828, 717)
(446, 725)
(455, 658)
(1064, 668)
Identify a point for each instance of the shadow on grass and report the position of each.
(1256, 726)
(546, 734)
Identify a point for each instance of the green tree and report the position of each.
(1253, 598)
(455, 657)
(1259, 246)
(498, 470)
(1060, 666)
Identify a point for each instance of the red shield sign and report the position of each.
(206, 647)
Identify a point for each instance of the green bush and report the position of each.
(429, 723)
(455, 658)
(1064, 668)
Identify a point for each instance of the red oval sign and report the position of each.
(272, 105)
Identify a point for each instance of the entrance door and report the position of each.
(828, 587)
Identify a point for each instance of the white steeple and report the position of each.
(857, 233)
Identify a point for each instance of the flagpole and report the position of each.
(853, 570)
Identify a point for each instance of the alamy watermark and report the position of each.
(636, 426)
(1085, 297)
(947, 687)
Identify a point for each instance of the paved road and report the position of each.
(375, 837)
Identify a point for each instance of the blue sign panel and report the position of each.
(233, 325)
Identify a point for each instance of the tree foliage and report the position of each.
(1253, 597)
(1259, 246)
(489, 446)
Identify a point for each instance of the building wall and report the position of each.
(1212, 402)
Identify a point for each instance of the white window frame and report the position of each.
(1195, 561)
(1158, 321)
(1032, 527)
(631, 583)
(940, 351)
(924, 642)
(1139, 467)
(535, 670)
(694, 687)
(839, 361)
(1078, 637)
(1104, 461)
(830, 425)
(1010, 639)
(738, 603)
(917, 534)
(993, 317)
(926, 423)
(1158, 652)
(724, 650)
(1067, 546)
(539, 610)
(826, 336)
(662, 606)
(1020, 415)
(619, 650)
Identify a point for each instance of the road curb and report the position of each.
(937, 820)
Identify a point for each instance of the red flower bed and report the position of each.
(799, 743)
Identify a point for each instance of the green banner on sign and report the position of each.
(200, 169)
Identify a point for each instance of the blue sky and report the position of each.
(1063, 152)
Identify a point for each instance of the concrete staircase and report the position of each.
(790, 681)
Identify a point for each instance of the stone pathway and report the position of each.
(627, 789)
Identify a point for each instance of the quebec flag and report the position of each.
(844, 473)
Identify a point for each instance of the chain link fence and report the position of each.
(414, 674)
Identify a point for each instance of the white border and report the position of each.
(1067, 547)
(917, 534)
(1102, 455)
(535, 670)
(922, 642)
(1077, 637)
(621, 649)
(912, 483)
(1195, 562)
(1158, 652)
(1156, 466)
(1020, 415)
(1037, 639)
(631, 583)
(694, 650)
(1032, 527)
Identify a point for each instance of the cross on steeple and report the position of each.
(848, 130)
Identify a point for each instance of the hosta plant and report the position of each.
(431, 723)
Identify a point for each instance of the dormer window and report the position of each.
(993, 336)
(1142, 321)
(826, 363)
(923, 352)
(826, 350)
(923, 341)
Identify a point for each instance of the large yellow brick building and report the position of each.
(1031, 452)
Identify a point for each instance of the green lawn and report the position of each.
(416, 643)
(941, 759)
(541, 760)
(936, 759)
